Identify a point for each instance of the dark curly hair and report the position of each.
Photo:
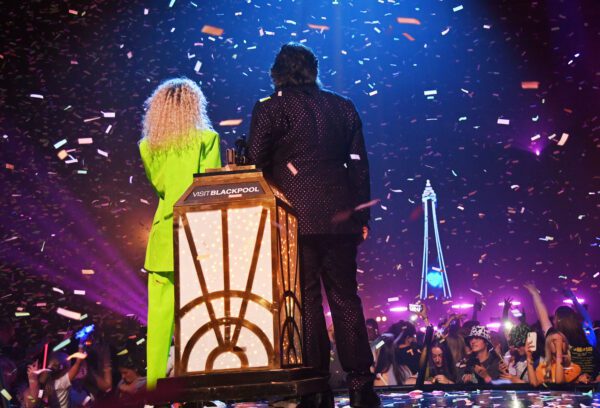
(295, 64)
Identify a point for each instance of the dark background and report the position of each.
(108, 56)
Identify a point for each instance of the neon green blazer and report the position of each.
(171, 173)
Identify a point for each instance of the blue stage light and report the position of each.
(435, 279)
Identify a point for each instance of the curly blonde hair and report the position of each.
(173, 112)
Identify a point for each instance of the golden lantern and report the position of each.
(237, 290)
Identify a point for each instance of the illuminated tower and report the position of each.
(434, 279)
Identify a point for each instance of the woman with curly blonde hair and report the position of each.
(177, 141)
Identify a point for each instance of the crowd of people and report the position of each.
(554, 349)
(86, 368)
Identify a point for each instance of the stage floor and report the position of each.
(484, 398)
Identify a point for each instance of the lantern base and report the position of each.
(244, 385)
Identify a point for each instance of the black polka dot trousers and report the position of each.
(331, 259)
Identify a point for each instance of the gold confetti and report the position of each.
(216, 31)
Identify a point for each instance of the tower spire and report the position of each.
(433, 279)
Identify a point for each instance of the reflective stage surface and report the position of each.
(484, 398)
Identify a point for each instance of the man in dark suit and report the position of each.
(309, 143)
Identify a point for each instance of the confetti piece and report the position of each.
(62, 154)
(292, 169)
(503, 121)
(62, 344)
(563, 139)
(6, 394)
(408, 36)
(430, 92)
(366, 205)
(102, 153)
(530, 84)
(60, 143)
(74, 12)
(265, 99)
(216, 31)
(123, 352)
(198, 66)
(36, 96)
(318, 27)
(140, 341)
(108, 114)
(408, 20)
(68, 313)
(171, 3)
(476, 292)
(536, 137)
(144, 201)
(58, 290)
(85, 140)
(446, 31)
(373, 93)
(457, 8)
(393, 299)
(79, 292)
(21, 314)
(355, 156)
(87, 271)
(9, 166)
(230, 122)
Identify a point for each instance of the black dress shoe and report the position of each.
(317, 400)
(364, 398)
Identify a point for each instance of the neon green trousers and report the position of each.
(161, 315)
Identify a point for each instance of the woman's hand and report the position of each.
(482, 372)
(531, 288)
(441, 379)
(31, 372)
(503, 367)
(467, 378)
(529, 348)
(584, 378)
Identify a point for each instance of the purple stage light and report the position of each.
(514, 303)
(462, 306)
